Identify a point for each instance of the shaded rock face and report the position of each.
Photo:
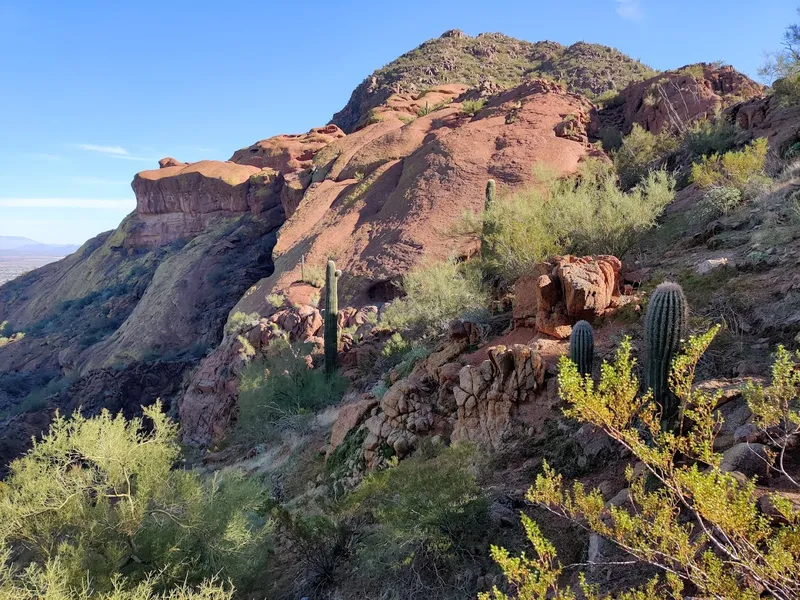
(765, 117)
(208, 406)
(674, 99)
(489, 395)
(444, 398)
(567, 289)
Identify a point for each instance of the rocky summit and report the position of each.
(362, 333)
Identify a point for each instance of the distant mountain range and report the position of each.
(20, 246)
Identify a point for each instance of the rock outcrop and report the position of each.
(674, 99)
(558, 293)
(178, 201)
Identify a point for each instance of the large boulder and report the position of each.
(558, 293)
(287, 153)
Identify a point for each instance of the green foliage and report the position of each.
(609, 99)
(7, 336)
(700, 526)
(470, 107)
(435, 294)
(314, 275)
(276, 300)
(642, 152)
(722, 200)
(241, 321)
(587, 214)
(331, 330)
(430, 517)
(738, 169)
(710, 136)
(787, 90)
(99, 499)
(281, 386)
(581, 347)
(665, 326)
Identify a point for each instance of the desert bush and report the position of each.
(722, 199)
(609, 99)
(642, 152)
(240, 322)
(435, 293)
(699, 525)
(314, 276)
(710, 136)
(470, 107)
(787, 89)
(279, 386)
(429, 519)
(275, 300)
(740, 169)
(97, 499)
(587, 214)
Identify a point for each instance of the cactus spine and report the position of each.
(581, 347)
(331, 334)
(665, 325)
(491, 192)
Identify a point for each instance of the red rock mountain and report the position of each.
(135, 311)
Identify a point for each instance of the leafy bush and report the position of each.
(738, 169)
(279, 386)
(435, 294)
(699, 525)
(98, 499)
(787, 89)
(314, 276)
(430, 517)
(241, 321)
(470, 107)
(722, 200)
(587, 214)
(275, 300)
(642, 152)
(710, 136)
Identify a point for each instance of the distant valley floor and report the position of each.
(14, 266)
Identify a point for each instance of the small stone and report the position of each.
(747, 433)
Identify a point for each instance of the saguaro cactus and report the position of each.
(491, 192)
(331, 334)
(581, 347)
(665, 325)
(303, 268)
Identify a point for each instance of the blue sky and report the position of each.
(93, 91)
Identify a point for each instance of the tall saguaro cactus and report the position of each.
(331, 333)
(486, 230)
(581, 347)
(665, 325)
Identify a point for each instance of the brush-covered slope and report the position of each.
(493, 61)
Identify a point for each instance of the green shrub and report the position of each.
(98, 499)
(640, 153)
(609, 99)
(787, 90)
(435, 294)
(279, 386)
(587, 214)
(430, 519)
(722, 200)
(742, 552)
(314, 276)
(739, 169)
(470, 107)
(241, 321)
(710, 136)
(275, 300)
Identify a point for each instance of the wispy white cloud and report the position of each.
(630, 10)
(128, 204)
(97, 181)
(111, 152)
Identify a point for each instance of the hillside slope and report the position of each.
(492, 61)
